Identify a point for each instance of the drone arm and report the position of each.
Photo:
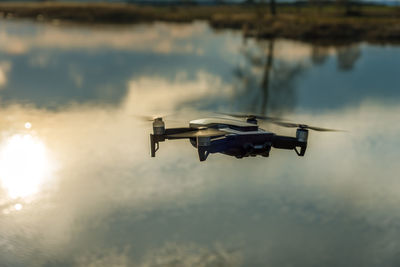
(284, 142)
(178, 133)
(167, 134)
(290, 143)
(171, 131)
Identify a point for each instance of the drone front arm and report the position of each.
(171, 131)
(168, 134)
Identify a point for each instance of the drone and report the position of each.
(237, 135)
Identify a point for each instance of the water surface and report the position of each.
(78, 187)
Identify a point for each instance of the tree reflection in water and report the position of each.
(347, 56)
(265, 84)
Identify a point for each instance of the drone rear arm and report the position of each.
(290, 143)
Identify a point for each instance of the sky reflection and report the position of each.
(101, 200)
(97, 63)
(24, 165)
(117, 200)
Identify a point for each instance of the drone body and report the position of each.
(231, 136)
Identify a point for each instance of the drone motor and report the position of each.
(158, 126)
(302, 135)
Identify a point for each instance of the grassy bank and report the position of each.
(309, 23)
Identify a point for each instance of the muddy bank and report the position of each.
(317, 25)
(317, 30)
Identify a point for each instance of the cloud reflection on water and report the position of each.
(59, 61)
(163, 39)
(341, 197)
(110, 203)
(4, 69)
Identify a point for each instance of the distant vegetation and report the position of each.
(313, 21)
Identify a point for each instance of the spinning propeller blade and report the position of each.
(255, 116)
(146, 118)
(152, 117)
(304, 126)
(208, 132)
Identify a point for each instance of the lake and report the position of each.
(78, 186)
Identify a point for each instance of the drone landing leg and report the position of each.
(154, 145)
(302, 150)
(203, 153)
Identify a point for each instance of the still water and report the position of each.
(78, 187)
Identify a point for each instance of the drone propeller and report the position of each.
(304, 126)
(152, 117)
(207, 132)
(147, 118)
(252, 116)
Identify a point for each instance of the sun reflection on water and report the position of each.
(24, 165)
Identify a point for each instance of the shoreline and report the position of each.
(374, 24)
